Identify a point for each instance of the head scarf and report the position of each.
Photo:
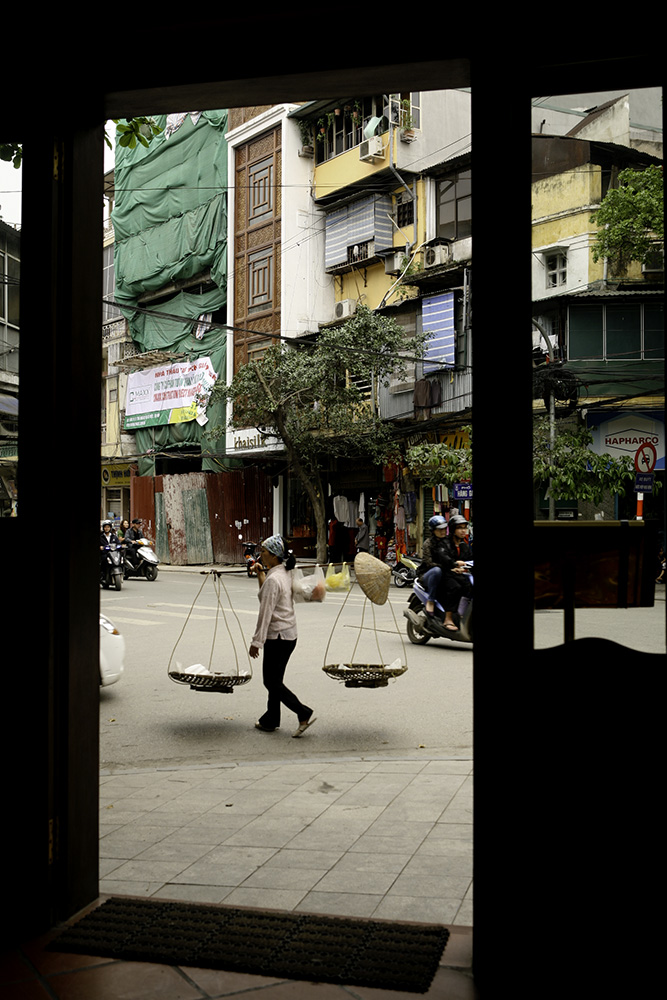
(275, 546)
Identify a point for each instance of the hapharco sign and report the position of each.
(620, 433)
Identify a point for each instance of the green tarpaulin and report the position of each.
(170, 225)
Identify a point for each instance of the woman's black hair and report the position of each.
(290, 559)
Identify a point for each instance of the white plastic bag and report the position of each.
(308, 588)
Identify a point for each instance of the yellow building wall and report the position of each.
(368, 285)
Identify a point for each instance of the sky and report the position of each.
(10, 194)
(10, 187)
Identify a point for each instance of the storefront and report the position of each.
(115, 496)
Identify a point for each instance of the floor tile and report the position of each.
(343, 904)
(129, 980)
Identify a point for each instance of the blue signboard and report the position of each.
(463, 491)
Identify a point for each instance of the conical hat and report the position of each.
(373, 577)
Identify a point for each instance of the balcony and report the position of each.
(397, 402)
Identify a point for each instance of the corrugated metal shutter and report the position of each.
(438, 320)
(161, 532)
(197, 527)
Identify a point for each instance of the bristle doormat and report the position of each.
(284, 945)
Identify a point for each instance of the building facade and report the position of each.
(347, 202)
(602, 323)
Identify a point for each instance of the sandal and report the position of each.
(302, 728)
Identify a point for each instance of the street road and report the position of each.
(147, 719)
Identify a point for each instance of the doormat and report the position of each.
(284, 945)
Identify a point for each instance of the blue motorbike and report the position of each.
(422, 627)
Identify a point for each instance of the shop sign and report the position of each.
(169, 394)
(115, 475)
(252, 440)
(625, 433)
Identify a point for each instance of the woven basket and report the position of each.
(373, 577)
(363, 674)
(222, 683)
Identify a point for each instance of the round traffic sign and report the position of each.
(645, 458)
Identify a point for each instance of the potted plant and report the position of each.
(406, 122)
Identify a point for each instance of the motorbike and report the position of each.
(405, 570)
(147, 561)
(250, 554)
(422, 627)
(111, 570)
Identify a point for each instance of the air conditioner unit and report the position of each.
(436, 256)
(393, 262)
(345, 308)
(371, 149)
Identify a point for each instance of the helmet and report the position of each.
(457, 521)
(110, 523)
(437, 521)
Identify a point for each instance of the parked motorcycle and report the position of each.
(147, 561)
(405, 570)
(422, 627)
(111, 570)
(251, 551)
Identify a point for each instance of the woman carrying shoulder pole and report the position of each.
(276, 634)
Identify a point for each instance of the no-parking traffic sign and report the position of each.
(645, 457)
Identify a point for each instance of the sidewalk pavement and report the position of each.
(373, 836)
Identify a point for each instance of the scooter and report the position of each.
(111, 570)
(405, 570)
(147, 561)
(422, 627)
(250, 554)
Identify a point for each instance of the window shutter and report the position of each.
(438, 320)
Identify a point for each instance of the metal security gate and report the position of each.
(197, 527)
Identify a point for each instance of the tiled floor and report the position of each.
(382, 838)
(29, 972)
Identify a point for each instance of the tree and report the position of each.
(317, 398)
(439, 464)
(631, 218)
(130, 131)
(574, 471)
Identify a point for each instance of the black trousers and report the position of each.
(276, 656)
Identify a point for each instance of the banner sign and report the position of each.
(171, 394)
(624, 432)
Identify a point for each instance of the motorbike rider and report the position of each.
(443, 572)
(107, 537)
(132, 536)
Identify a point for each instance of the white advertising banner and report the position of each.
(622, 433)
(170, 394)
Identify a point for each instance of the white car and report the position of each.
(112, 652)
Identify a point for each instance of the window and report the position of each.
(343, 127)
(260, 193)
(260, 280)
(556, 269)
(406, 110)
(357, 232)
(405, 213)
(617, 332)
(454, 206)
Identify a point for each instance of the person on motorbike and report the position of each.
(132, 536)
(107, 537)
(443, 572)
